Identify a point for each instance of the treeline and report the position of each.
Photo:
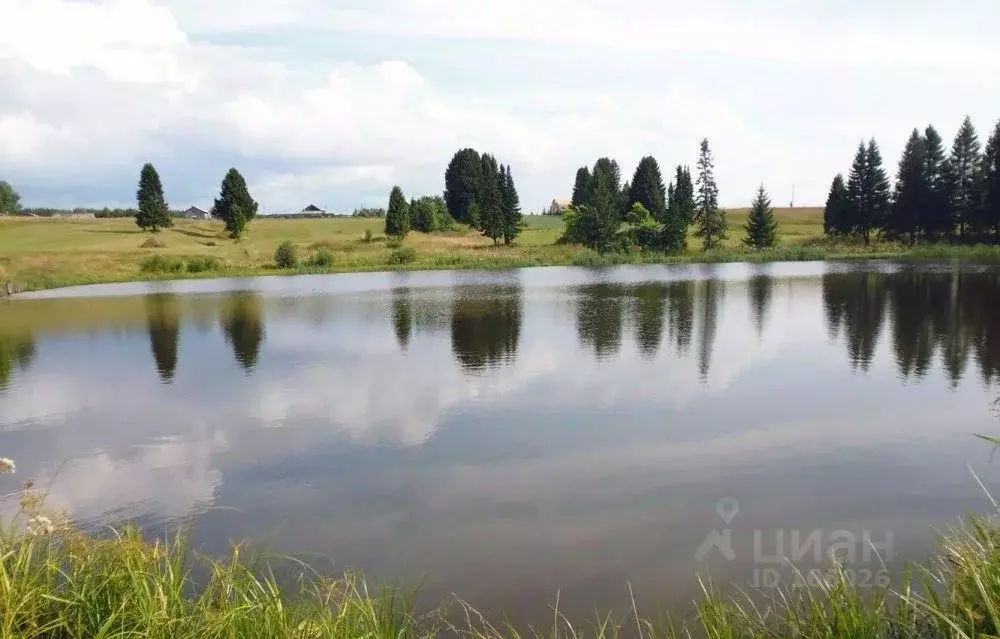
(645, 214)
(952, 196)
(479, 192)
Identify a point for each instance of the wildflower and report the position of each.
(40, 525)
(6, 466)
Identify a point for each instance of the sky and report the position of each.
(333, 102)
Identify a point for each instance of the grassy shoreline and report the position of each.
(38, 254)
(56, 582)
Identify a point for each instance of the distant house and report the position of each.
(194, 213)
(559, 205)
(312, 208)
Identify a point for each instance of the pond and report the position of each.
(513, 435)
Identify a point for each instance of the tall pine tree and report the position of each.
(878, 184)
(684, 194)
(234, 206)
(511, 208)
(153, 213)
(489, 200)
(964, 179)
(605, 191)
(709, 218)
(397, 216)
(856, 192)
(581, 186)
(647, 188)
(761, 228)
(991, 184)
(868, 191)
(912, 191)
(837, 213)
(462, 180)
(935, 218)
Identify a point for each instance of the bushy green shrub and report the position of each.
(161, 264)
(202, 264)
(403, 255)
(286, 255)
(322, 258)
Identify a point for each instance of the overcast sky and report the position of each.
(334, 101)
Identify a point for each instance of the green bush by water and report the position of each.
(322, 258)
(286, 255)
(403, 255)
(161, 264)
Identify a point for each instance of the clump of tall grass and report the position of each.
(403, 255)
(161, 264)
(322, 258)
(56, 581)
(203, 264)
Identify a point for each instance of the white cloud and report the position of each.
(784, 91)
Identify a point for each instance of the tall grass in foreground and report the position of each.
(58, 582)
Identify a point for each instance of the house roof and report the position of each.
(195, 209)
(312, 208)
(562, 201)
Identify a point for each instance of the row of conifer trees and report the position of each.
(953, 196)
(644, 214)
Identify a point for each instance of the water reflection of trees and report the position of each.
(951, 316)
(402, 315)
(653, 309)
(163, 320)
(242, 324)
(17, 353)
(600, 310)
(486, 326)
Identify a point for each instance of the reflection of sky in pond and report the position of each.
(558, 428)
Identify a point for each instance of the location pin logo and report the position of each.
(727, 508)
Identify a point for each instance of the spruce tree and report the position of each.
(867, 191)
(511, 208)
(647, 188)
(710, 219)
(991, 184)
(234, 206)
(684, 194)
(912, 192)
(462, 180)
(761, 228)
(605, 193)
(581, 186)
(964, 179)
(935, 219)
(856, 191)
(490, 200)
(837, 213)
(877, 182)
(397, 216)
(153, 213)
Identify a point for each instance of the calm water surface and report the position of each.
(508, 435)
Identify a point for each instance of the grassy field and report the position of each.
(39, 253)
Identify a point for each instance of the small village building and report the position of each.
(195, 213)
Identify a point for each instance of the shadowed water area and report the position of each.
(509, 435)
